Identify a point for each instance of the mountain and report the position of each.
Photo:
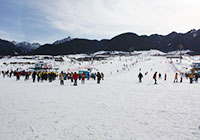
(123, 42)
(7, 48)
(26, 47)
(126, 42)
(62, 40)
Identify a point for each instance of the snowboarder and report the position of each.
(154, 77)
(140, 76)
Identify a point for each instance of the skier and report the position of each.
(140, 76)
(98, 78)
(159, 75)
(165, 77)
(154, 77)
(176, 78)
(61, 78)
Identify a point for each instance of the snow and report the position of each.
(150, 52)
(63, 40)
(119, 108)
(26, 46)
(177, 52)
(195, 34)
(193, 31)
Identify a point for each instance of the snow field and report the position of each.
(120, 108)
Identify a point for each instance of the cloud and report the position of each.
(6, 35)
(98, 18)
(46, 20)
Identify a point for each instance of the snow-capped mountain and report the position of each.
(7, 48)
(26, 46)
(124, 42)
(62, 40)
(194, 32)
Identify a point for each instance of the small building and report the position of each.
(195, 66)
(87, 73)
(40, 66)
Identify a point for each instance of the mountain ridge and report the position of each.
(123, 42)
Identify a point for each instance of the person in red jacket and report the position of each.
(75, 76)
(83, 78)
(18, 76)
(79, 76)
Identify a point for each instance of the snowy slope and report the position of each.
(119, 108)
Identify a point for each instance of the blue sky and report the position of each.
(22, 21)
(45, 21)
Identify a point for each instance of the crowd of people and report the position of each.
(41, 76)
(73, 77)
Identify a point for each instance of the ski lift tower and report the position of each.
(180, 48)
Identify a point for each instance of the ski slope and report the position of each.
(120, 108)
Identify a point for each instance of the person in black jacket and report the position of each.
(98, 78)
(140, 76)
(34, 76)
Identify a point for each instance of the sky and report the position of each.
(46, 21)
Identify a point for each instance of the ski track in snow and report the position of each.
(120, 108)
